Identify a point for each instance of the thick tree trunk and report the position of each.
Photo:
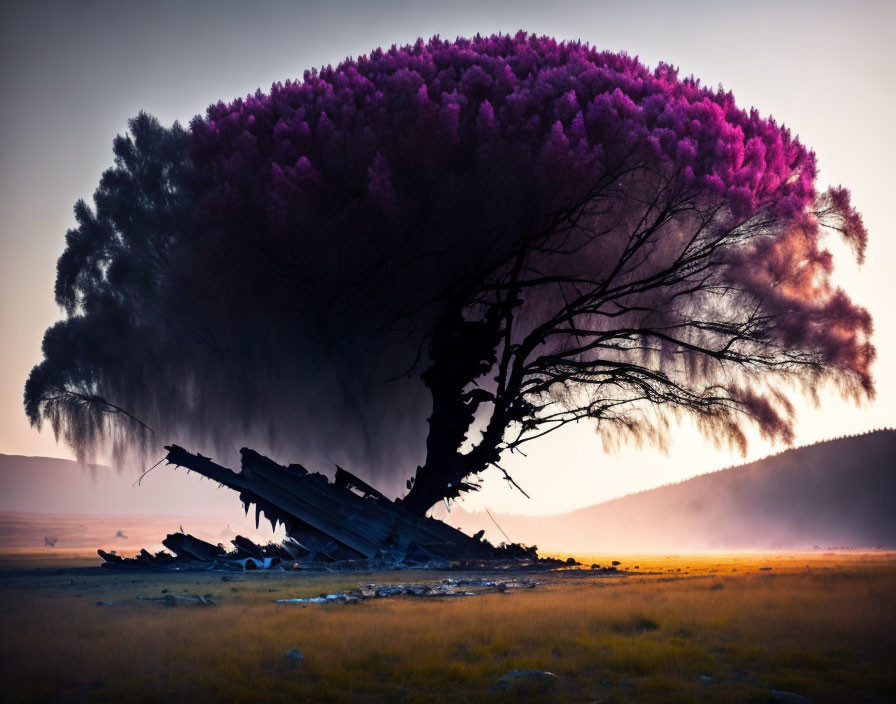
(461, 351)
(436, 481)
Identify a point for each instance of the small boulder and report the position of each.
(294, 654)
(528, 682)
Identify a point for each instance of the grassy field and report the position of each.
(820, 625)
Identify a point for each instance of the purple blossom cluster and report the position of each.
(467, 146)
(563, 108)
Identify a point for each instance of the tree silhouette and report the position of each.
(540, 232)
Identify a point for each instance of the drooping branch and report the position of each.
(69, 397)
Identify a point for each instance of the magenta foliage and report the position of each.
(465, 146)
(566, 109)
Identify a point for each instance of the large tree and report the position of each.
(540, 232)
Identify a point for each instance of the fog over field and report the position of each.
(42, 497)
(837, 493)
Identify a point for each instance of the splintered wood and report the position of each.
(344, 524)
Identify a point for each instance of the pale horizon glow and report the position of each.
(72, 76)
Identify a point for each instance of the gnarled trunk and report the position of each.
(461, 351)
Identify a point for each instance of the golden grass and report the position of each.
(58, 558)
(819, 625)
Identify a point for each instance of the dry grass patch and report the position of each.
(825, 631)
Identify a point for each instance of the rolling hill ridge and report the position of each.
(837, 493)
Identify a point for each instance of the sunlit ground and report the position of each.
(820, 625)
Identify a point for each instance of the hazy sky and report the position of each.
(73, 73)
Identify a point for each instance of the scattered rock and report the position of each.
(790, 698)
(173, 599)
(294, 654)
(528, 682)
(717, 585)
(706, 679)
(765, 569)
(447, 587)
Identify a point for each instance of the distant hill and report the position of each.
(96, 506)
(838, 493)
(126, 534)
(48, 485)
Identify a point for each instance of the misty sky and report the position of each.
(73, 73)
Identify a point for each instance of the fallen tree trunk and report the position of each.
(331, 520)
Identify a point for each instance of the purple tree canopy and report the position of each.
(538, 231)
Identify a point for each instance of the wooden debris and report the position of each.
(344, 524)
(186, 545)
(330, 519)
(247, 547)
